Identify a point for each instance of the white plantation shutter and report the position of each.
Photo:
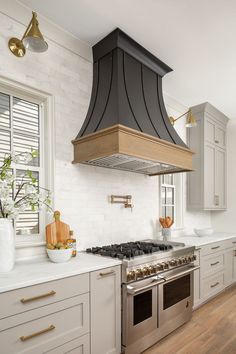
(20, 131)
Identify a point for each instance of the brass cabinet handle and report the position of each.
(103, 274)
(24, 338)
(233, 241)
(215, 248)
(217, 283)
(29, 299)
(212, 264)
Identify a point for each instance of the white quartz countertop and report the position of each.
(41, 271)
(194, 240)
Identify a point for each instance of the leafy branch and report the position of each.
(15, 196)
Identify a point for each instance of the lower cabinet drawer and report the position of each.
(212, 285)
(45, 333)
(35, 296)
(77, 346)
(231, 243)
(212, 264)
(212, 248)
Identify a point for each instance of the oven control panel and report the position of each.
(147, 270)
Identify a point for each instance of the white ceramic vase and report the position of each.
(7, 245)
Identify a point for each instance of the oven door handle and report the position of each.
(155, 281)
(180, 274)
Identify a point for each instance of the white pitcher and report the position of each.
(7, 245)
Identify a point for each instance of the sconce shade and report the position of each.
(33, 39)
(191, 120)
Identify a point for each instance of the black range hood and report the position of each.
(127, 126)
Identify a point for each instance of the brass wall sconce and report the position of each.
(122, 199)
(190, 122)
(32, 39)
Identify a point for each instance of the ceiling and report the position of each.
(194, 37)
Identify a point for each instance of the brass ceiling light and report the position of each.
(32, 39)
(190, 122)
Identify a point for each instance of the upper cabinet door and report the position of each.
(220, 179)
(207, 184)
(210, 131)
(215, 133)
(209, 178)
(220, 137)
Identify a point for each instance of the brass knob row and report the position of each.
(140, 273)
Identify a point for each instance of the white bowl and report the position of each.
(59, 256)
(203, 232)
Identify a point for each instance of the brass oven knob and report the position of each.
(152, 269)
(138, 273)
(180, 261)
(161, 266)
(145, 271)
(166, 265)
(131, 275)
(158, 267)
(173, 262)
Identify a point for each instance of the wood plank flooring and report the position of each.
(212, 330)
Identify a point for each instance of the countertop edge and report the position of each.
(205, 240)
(102, 264)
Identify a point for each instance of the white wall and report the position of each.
(226, 220)
(81, 192)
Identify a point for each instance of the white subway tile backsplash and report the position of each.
(81, 192)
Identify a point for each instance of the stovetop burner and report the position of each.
(129, 250)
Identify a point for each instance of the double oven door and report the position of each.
(149, 304)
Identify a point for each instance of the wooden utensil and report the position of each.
(166, 222)
(57, 231)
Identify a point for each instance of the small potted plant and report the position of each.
(16, 197)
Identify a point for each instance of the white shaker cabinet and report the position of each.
(217, 262)
(207, 189)
(105, 292)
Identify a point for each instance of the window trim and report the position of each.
(46, 104)
(178, 200)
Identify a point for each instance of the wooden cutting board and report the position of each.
(57, 231)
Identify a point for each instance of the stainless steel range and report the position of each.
(157, 289)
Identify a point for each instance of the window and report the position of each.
(171, 196)
(21, 130)
(168, 196)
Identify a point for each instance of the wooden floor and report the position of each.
(212, 330)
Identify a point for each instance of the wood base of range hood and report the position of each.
(123, 148)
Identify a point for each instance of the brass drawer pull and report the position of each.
(233, 241)
(24, 338)
(217, 283)
(213, 264)
(106, 273)
(24, 301)
(215, 248)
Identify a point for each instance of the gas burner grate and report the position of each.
(129, 250)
